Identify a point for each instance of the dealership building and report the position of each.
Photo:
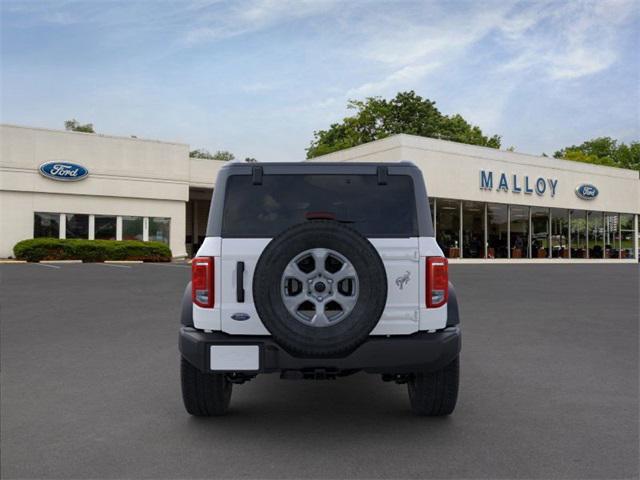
(489, 205)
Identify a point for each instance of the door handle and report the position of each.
(240, 282)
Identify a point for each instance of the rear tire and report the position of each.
(435, 394)
(204, 394)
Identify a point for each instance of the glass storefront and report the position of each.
(595, 234)
(105, 227)
(578, 234)
(132, 228)
(626, 236)
(540, 247)
(519, 231)
(101, 227)
(46, 225)
(77, 226)
(611, 235)
(473, 230)
(448, 229)
(466, 229)
(497, 230)
(559, 233)
(159, 229)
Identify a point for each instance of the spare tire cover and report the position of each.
(320, 288)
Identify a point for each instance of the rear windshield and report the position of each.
(282, 201)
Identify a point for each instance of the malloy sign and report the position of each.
(518, 183)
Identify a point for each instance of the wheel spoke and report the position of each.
(292, 303)
(347, 302)
(320, 318)
(319, 258)
(346, 271)
(293, 271)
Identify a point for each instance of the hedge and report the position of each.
(36, 249)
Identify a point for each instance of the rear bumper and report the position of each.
(421, 351)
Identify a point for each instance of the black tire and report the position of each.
(334, 340)
(435, 394)
(204, 394)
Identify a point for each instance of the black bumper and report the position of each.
(390, 355)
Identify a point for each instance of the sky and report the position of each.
(258, 77)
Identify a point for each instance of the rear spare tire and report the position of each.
(320, 288)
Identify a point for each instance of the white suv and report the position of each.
(320, 270)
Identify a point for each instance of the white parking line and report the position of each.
(170, 265)
(46, 265)
(113, 265)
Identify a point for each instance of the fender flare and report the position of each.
(186, 309)
(453, 312)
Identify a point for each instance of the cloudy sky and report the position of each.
(258, 77)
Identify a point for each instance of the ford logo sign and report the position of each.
(586, 191)
(240, 317)
(63, 171)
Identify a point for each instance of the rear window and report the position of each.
(282, 201)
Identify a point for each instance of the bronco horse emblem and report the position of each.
(402, 280)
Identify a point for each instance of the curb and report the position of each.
(7, 261)
(123, 261)
(60, 261)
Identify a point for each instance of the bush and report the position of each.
(37, 249)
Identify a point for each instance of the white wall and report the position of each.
(126, 177)
(452, 170)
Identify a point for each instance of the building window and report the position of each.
(132, 228)
(448, 228)
(626, 236)
(559, 233)
(539, 232)
(46, 225)
(596, 234)
(519, 231)
(611, 235)
(497, 231)
(578, 234)
(472, 230)
(159, 229)
(105, 227)
(77, 226)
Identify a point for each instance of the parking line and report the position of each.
(170, 265)
(112, 265)
(47, 265)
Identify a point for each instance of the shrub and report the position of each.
(36, 249)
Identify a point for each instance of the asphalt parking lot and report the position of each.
(90, 386)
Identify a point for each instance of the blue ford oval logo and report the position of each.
(240, 317)
(64, 171)
(586, 191)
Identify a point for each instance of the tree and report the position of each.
(604, 151)
(377, 118)
(75, 126)
(250, 160)
(223, 155)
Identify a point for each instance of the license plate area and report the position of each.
(234, 358)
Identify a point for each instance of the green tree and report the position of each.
(74, 126)
(604, 151)
(223, 155)
(377, 118)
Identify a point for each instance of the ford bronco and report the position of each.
(317, 271)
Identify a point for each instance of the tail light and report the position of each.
(202, 281)
(437, 281)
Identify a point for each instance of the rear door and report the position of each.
(384, 212)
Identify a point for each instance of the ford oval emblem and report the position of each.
(586, 191)
(63, 171)
(241, 317)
